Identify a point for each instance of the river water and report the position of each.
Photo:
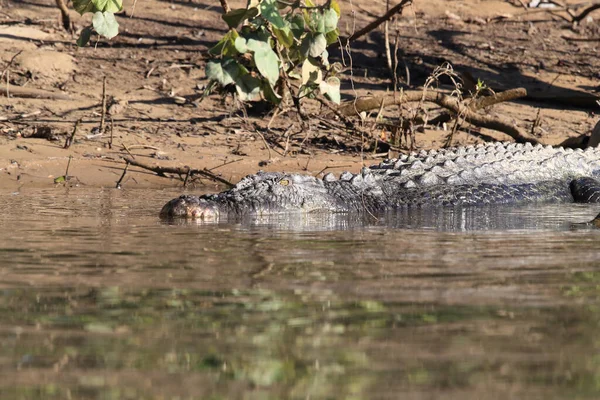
(99, 299)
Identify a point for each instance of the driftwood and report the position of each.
(467, 111)
(181, 171)
(373, 25)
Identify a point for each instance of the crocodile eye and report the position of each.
(284, 182)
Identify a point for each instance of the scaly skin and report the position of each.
(499, 173)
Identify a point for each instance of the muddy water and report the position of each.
(101, 300)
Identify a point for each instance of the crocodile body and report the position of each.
(497, 173)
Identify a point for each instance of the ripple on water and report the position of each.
(98, 298)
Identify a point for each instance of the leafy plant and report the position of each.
(264, 50)
(103, 21)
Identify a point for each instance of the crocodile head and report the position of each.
(263, 193)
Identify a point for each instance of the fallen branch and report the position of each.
(161, 171)
(450, 103)
(488, 101)
(373, 25)
(18, 91)
(581, 16)
(483, 102)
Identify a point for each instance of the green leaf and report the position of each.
(248, 88)
(284, 36)
(267, 64)
(270, 12)
(330, 20)
(84, 36)
(317, 22)
(234, 17)
(84, 6)
(105, 24)
(270, 94)
(108, 5)
(324, 58)
(332, 36)
(314, 45)
(297, 25)
(265, 59)
(226, 46)
(241, 45)
(311, 73)
(336, 7)
(225, 72)
(256, 45)
(330, 88)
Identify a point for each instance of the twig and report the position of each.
(265, 142)
(225, 6)
(103, 118)
(349, 123)
(388, 52)
(64, 11)
(161, 171)
(69, 139)
(5, 71)
(332, 167)
(224, 164)
(187, 176)
(142, 146)
(112, 125)
(373, 25)
(127, 150)
(12, 59)
(67, 170)
(118, 186)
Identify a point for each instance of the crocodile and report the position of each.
(493, 173)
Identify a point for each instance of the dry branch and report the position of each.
(161, 171)
(450, 103)
(373, 25)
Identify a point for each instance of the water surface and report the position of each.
(99, 299)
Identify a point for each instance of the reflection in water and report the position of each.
(100, 299)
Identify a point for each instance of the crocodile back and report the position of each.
(494, 163)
